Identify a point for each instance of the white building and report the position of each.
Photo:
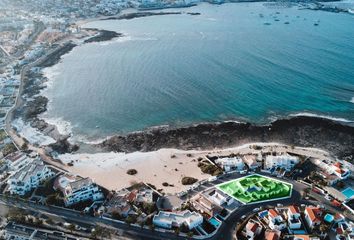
(294, 219)
(285, 161)
(220, 198)
(17, 160)
(339, 170)
(332, 172)
(231, 163)
(145, 195)
(276, 221)
(252, 230)
(28, 177)
(312, 216)
(333, 168)
(77, 190)
(177, 219)
(251, 161)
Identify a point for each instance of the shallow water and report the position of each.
(226, 63)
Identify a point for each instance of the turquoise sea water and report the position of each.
(234, 61)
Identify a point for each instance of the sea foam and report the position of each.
(307, 114)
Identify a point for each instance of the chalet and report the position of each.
(312, 216)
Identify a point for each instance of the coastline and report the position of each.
(33, 102)
(196, 136)
(166, 164)
(303, 131)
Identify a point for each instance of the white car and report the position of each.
(256, 210)
(329, 198)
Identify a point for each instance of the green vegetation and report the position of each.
(188, 180)
(3, 135)
(148, 208)
(255, 188)
(132, 171)
(9, 148)
(131, 219)
(55, 199)
(209, 168)
(19, 216)
(100, 233)
(116, 215)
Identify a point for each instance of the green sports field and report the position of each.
(256, 188)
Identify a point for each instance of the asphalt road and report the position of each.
(226, 231)
(74, 217)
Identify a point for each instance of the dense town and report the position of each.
(317, 202)
(262, 194)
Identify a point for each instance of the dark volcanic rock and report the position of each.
(35, 107)
(63, 146)
(54, 57)
(129, 16)
(299, 131)
(103, 35)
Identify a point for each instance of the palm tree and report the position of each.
(190, 234)
(324, 228)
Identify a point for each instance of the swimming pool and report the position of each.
(329, 218)
(214, 222)
(348, 193)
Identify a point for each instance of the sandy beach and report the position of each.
(109, 169)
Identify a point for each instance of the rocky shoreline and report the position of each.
(36, 104)
(128, 16)
(102, 36)
(330, 135)
(300, 131)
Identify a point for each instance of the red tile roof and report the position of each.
(272, 236)
(339, 231)
(339, 170)
(313, 214)
(337, 164)
(336, 203)
(273, 213)
(338, 216)
(252, 226)
(294, 209)
(132, 196)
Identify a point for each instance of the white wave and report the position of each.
(31, 134)
(144, 39)
(126, 39)
(51, 72)
(352, 100)
(66, 128)
(63, 127)
(202, 34)
(307, 114)
(78, 138)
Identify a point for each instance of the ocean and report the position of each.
(239, 61)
